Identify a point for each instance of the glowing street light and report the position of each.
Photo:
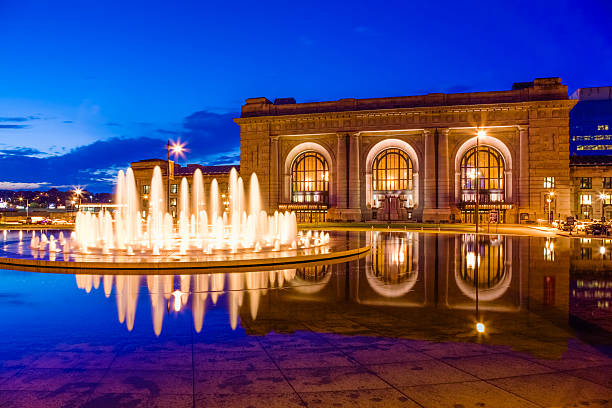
(78, 191)
(480, 327)
(27, 206)
(178, 150)
(602, 197)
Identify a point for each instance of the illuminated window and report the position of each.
(606, 199)
(490, 175)
(585, 199)
(174, 188)
(594, 147)
(607, 182)
(173, 202)
(602, 127)
(549, 182)
(392, 171)
(146, 189)
(309, 178)
(586, 182)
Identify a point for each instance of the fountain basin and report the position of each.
(16, 254)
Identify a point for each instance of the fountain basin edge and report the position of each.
(164, 268)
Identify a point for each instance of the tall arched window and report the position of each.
(309, 178)
(392, 171)
(490, 175)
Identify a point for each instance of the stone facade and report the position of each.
(527, 125)
(143, 172)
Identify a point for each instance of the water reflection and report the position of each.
(435, 280)
(172, 293)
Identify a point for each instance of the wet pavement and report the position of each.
(397, 328)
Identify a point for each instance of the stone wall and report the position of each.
(528, 125)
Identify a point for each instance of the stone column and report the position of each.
(429, 188)
(354, 182)
(443, 175)
(275, 185)
(341, 173)
(523, 196)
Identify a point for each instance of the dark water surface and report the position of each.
(396, 328)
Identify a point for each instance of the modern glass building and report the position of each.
(591, 122)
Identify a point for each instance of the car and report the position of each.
(596, 229)
(60, 222)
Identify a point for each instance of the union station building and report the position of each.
(427, 158)
(414, 157)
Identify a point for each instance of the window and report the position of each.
(602, 127)
(607, 182)
(594, 147)
(585, 199)
(549, 182)
(490, 175)
(309, 178)
(146, 189)
(392, 171)
(173, 202)
(174, 188)
(586, 182)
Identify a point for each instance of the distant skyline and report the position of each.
(87, 88)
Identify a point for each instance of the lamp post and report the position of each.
(177, 148)
(549, 199)
(477, 177)
(27, 206)
(602, 196)
(78, 191)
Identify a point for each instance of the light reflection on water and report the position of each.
(459, 275)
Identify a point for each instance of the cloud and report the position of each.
(21, 151)
(8, 185)
(210, 137)
(233, 158)
(14, 126)
(18, 118)
(208, 133)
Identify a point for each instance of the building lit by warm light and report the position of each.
(425, 158)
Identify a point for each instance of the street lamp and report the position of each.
(549, 199)
(78, 191)
(602, 196)
(177, 149)
(479, 134)
(27, 206)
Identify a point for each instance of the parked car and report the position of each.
(60, 222)
(596, 229)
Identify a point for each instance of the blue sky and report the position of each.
(87, 87)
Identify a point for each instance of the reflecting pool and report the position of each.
(423, 320)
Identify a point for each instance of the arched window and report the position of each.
(490, 175)
(392, 171)
(309, 178)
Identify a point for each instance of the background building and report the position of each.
(143, 172)
(591, 121)
(591, 187)
(414, 158)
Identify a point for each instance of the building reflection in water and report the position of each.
(392, 268)
(432, 279)
(483, 267)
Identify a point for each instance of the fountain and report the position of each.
(199, 229)
(212, 230)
